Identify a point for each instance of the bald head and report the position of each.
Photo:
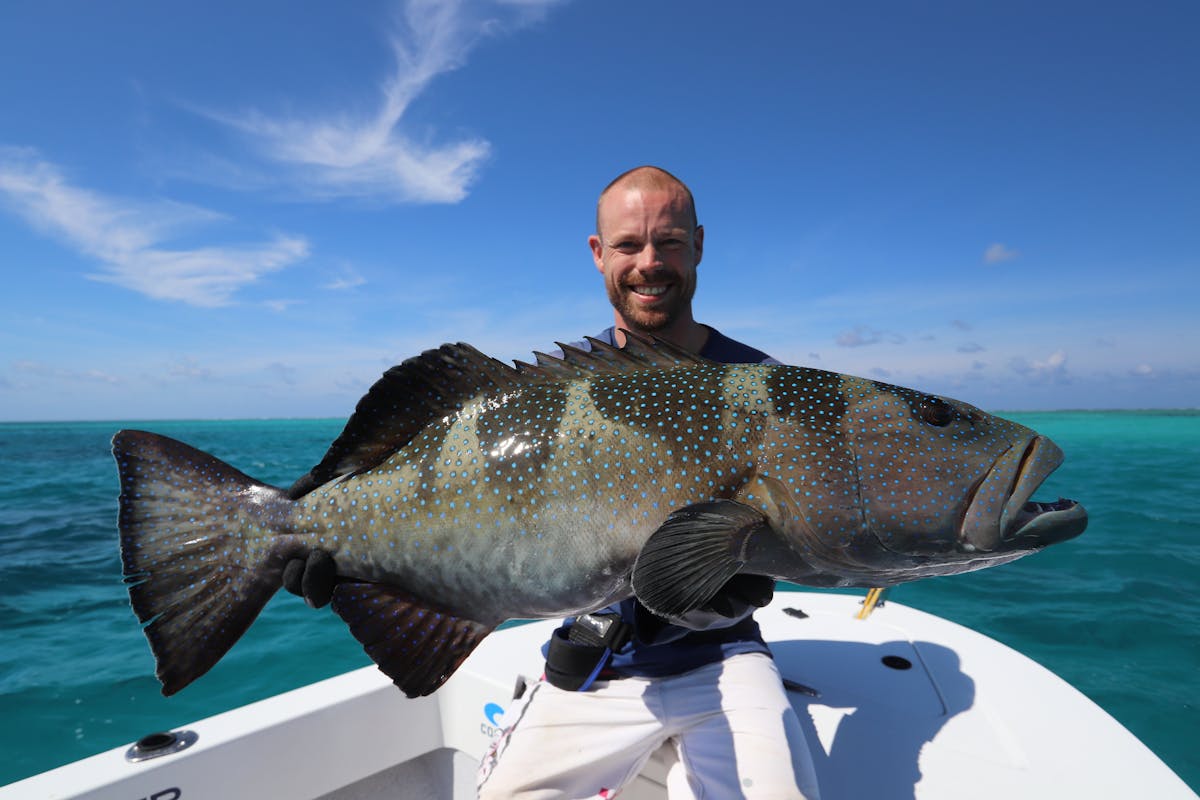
(647, 246)
(647, 178)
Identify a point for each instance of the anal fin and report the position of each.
(417, 646)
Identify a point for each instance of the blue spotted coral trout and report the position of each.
(464, 492)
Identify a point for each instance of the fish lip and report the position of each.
(1037, 525)
(1020, 522)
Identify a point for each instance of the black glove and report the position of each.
(733, 602)
(740, 593)
(312, 578)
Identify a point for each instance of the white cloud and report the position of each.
(368, 155)
(126, 236)
(206, 276)
(1055, 362)
(1053, 367)
(997, 253)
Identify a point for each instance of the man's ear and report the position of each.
(597, 251)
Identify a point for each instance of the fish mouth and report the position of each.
(1001, 516)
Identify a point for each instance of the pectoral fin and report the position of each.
(418, 647)
(691, 556)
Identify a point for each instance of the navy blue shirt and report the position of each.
(659, 648)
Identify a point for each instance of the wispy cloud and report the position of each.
(188, 368)
(348, 279)
(280, 305)
(861, 336)
(342, 154)
(127, 236)
(997, 253)
(27, 370)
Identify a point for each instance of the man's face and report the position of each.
(647, 251)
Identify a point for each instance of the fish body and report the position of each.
(464, 492)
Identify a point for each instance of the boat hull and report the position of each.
(900, 704)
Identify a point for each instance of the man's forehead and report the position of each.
(631, 205)
(636, 194)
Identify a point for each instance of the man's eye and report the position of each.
(626, 247)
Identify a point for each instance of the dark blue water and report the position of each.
(1113, 612)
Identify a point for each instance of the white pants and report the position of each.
(734, 731)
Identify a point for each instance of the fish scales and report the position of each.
(464, 492)
(606, 457)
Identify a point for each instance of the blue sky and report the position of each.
(252, 209)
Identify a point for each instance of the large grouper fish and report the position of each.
(464, 492)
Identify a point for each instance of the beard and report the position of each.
(658, 317)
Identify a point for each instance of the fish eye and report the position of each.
(936, 411)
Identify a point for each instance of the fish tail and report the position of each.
(200, 549)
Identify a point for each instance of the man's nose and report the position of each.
(649, 256)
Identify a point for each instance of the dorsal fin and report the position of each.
(401, 403)
(639, 352)
(439, 382)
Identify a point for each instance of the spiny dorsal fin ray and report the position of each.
(655, 351)
(639, 352)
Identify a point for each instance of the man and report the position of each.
(621, 682)
(610, 699)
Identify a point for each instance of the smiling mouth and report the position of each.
(649, 291)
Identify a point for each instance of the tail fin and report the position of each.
(200, 550)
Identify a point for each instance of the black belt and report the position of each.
(579, 653)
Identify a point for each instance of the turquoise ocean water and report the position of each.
(1114, 612)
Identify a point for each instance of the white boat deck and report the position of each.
(907, 705)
